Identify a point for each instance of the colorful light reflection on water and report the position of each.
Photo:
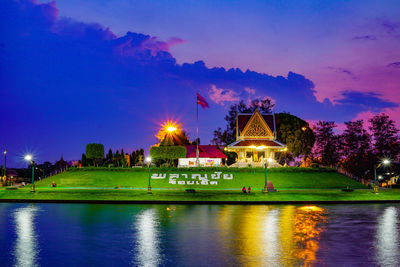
(226, 235)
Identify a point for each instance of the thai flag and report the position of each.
(202, 101)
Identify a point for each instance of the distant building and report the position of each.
(256, 141)
(209, 156)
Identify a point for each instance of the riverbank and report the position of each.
(62, 195)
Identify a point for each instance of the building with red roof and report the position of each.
(209, 156)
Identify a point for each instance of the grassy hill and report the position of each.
(284, 178)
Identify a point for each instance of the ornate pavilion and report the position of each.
(256, 142)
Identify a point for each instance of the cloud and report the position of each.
(389, 26)
(363, 100)
(220, 96)
(365, 38)
(250, 91)
(343, 70)
(59, 75)
(395, 65)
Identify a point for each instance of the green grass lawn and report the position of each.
(139, 179)
(292, 185)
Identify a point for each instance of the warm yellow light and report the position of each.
(28, 157)
(270, 160)
(386, 162)
(311, 208)
(304, 128)
(5, 151)
(285, 149)
(171, 129)
(260, 147)
(168, 128)
(148, 159)
(252, 146)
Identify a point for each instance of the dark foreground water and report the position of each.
(200, 235)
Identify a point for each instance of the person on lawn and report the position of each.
(244, 190)
(249, 190)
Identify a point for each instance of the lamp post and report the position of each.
(265, 174)
(5, 164)
(148, 159)
(30, 159)
(376, 166)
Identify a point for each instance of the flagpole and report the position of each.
(197, 132)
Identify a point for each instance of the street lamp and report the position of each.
(384, 162)
(265, 174)
(148, 160)
(29, 158)
(5, 164)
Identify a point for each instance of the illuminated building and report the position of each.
(255, 140)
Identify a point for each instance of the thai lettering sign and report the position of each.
(193, 179)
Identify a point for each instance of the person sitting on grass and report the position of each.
(249, 190)
(53, 184)
(244, 190)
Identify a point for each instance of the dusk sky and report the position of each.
(76, 72)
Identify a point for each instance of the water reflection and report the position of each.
(308, 228)
(387, 236)
(147, 244)
(271, 235)
(26, 246)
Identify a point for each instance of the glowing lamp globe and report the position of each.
(171, 129)
(386, 161)
(28, 157)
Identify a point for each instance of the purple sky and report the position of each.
(71, 74)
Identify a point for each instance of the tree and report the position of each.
(84, 161)
(326, 143)
(225, 137)
(357, 156)
(167, 153)
(95, 152)
(61, 163)
(295, 133)
(355, 139)
(385, 136)
(109, 156)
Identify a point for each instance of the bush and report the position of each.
(314, 165)
(167, 152)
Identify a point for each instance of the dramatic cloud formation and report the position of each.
(66, 83)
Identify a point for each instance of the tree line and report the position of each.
(357, 149)
(94, 156)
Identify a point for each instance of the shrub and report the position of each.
(167, 152)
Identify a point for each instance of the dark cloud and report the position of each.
(365, 38)
(343, 70)
(62, 78)
(395, 65)
(370, 100)
(389, 26)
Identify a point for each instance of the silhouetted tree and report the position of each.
(355, 139)
(326, 147)
(385, 136)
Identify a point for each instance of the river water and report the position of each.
(199, 235)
